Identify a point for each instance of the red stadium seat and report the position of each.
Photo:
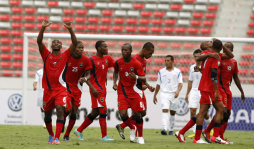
(185, 61)
(17, 17)
(197, 15)
(32, 65)
(132, 20)
(104, 27)
(17, 56)
(7, 73)
(32, 57)
(14, 2)
(157, 68)
(189, 1)
(163, 44)
(170, 21)
(196, 22)
(146, 13)
(31, 73)
(68, 11)
(248, 47)
(107, 12)
(243, 71)
(80, 19)
(16, 10)
(52, 3)
(176, 6)
(6, 40)
(251, 24)
(81, 12)
(212, 8)
(131, 28)
(180, 29)
(18, 73)
(111, 43)
(189, 45)
(29, 25)
(18, 49)
(184, 69)
(30, 18)
(152, 77)
(106, 20)
(40, 18)
(16, 33)
(5, 64)
(159, 14)
(17, 64)
(137, 44)
(156, 29)
(157, 21)
(30, 10)
(67, 19)
(93, 19)
(252, 16)
(210, 15)
(250, 31)
(6, 56)
(208, 23)
(206, 30)
(80, 27)
(138, 6)
(144, 21)
(92, 27)
(252, 71)
(5, 48)
(119, 20)
(251, 79)
(143, 28)
(5, 32)
(18, 40)
(158, 60)
(247, 56)
(175, 45)
(55, 26)
(117, 28)
(168, 29)
(89, 4)
(245, 63)
(5, 17)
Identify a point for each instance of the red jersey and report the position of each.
(127, 86)
(228, 68)
(206, 84)
(54, 69)
(142, 62)
(76, 67)
(99, 71)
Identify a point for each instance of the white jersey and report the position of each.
(169, 80)
(38, 79)
(194, 77)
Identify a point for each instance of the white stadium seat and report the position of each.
(215, 1)
(126, 5)
(133, 13)
(27, 3)
(200, 7)
(183, 22)
(55, 18)
(113, 5)
(150, 6)
(56, 11)
(4, 2)
(163, 6)
(177, 1)
(120, 12)
(201, 1)
(101, 5)
(5, 24)
(185, 14)
(77, 4)
(188, 7)
(63, 4)
(172, 14)
(94, 12)
(43, 10)
(5, 9)
(39, 3)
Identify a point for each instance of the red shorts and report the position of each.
(208, 97)
(99, 101)
(75, 99)
(223, 96)
(135, 103)
(144, 100)
(51, 98)
(229, 100)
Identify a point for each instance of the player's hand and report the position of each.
(95, 92)
(243, 98)
(176, 94)
(186, 99)
(132, 75)
(144, 87)
(115, 87)
(154, 100)
(197, 69)
(151, 89)
(45, 23)
(82, 80)
(214, 55)
(216, 96)
(68, 25)
(35, 88)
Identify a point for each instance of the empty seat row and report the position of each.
(17, 57)
(16, 73)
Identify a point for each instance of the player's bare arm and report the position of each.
(93, 89)
(239, 86)
(139, 78)
(155, 94)
(203, 57)
(45, 23)
(86, 77)
(180, 85)
(35, 86)
(115, 78)
(227, 54)
(188, 91)
(151, 88)
(74, 40)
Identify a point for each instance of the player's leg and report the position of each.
(72, 122)
(103, 124)
(165, 103)
(48, 123)
(43, 116)
(228, 113)
(68, 108)
(193, 105)
(171, 122)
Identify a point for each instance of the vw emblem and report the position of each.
(182, 107)
(15, 102)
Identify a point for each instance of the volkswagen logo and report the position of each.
(182, 107)
(15, 102)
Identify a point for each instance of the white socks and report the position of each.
(208, 121)
(172, 122)
(194, 128)
(164, 120)
(42, 116)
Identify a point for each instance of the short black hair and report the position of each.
(197, 51)
(217, 44)
(98, 44)
(148, 46)
(127, 44)
(172, 57)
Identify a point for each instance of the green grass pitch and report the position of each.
(35, 137)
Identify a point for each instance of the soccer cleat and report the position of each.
(78, 134)
(201, 141)
(51, 140)
(164, 132)
(192, 135)
(228, 141)
(180, 137)
(107, 138)
(66, 138)
(44, 126)
(133, 134)
(170, 133)
(121, 131)
(140, 140)
(206, 136)
(56, 141)
(218, 140)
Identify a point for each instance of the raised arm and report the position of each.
(227, 54)
(45, 24)
(74, 40)
(239, 86)
(203, 57)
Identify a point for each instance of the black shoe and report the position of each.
(164, 132)
(66, 138)
(121, 131)
(63, 128)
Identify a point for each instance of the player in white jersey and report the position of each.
(193, 94)
(38, 78)
(170, 83)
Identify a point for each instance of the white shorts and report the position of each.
(168, 101)
(40, 100)
(194, 98)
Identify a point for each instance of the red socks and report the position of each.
(198, 132)
(132, 119)
(210, 126)
(222, 129)
(127, 122)
(139, 124)
(89, 119)
(216, 130)
(191, 123)
(59, 126)
(49, 127)
(103, 124)
(71, 124)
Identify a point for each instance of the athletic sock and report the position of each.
(194, 128)
(88, 120)
(133, 120)
(49, 127)
(208, 121)
(222, 129)
(59, 126)
(103, 124)
(71, 124)
(172, 122)
(123, 125)
(210, 126)
(164, 120)
(198, 132)
(216, 130)
(225, 123)
(42, 116)
(191, 123)
(139, 124)
(127, 122)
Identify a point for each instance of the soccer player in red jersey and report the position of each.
(53, 79)
(129, 90)
(78, 66)
(97, 83)
(209, 93)
(146, 53)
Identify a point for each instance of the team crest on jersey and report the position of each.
(233, 65)
(60, 57)
(106, 61)
(229, 68)
(98, 63)
(118, 104)
(218, 63)
(102, 99)
(44, 104)
(144, 68)
(225, 100)
(80, 64)
(132, 69)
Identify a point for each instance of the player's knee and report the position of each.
(47, 120)
(73, 116)
(143, 113)
(59, 112)
(95, 112)
(165, 110)
(138, 115)
(172, 112)
(103, 110)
